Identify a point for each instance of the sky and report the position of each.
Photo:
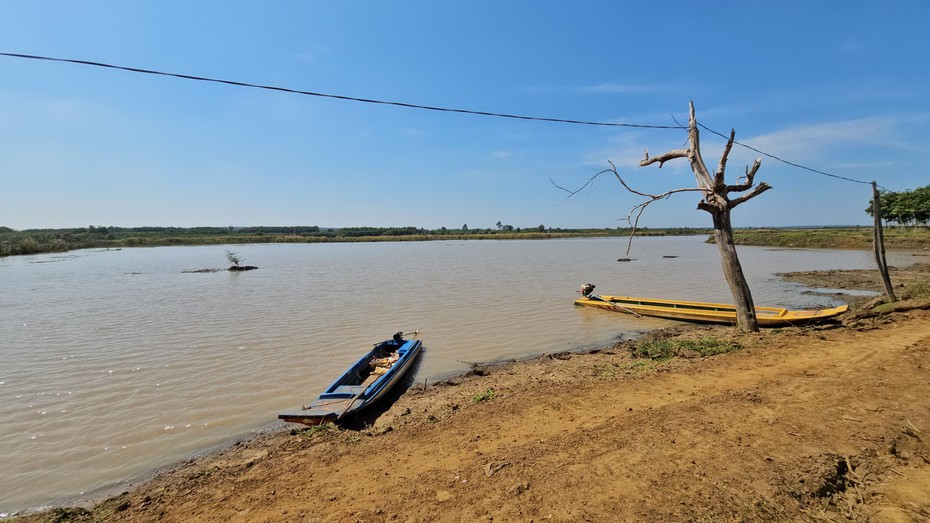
(839, 88)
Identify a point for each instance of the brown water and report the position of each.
(117, 362)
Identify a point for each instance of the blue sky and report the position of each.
(839, 87)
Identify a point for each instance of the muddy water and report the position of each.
(115, 363)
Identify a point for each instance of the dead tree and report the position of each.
(717, 202)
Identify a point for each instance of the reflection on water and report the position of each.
(118, 362)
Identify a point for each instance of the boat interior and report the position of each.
(366, 371)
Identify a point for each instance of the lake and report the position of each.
(118, 362)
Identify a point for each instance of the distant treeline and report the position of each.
(34, 241)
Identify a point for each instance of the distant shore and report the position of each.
(900, 237)
(37, 241)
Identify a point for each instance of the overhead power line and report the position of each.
(336, 96)
(414, 106)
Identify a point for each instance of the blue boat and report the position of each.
(367, 381)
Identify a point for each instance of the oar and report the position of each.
(612, 304)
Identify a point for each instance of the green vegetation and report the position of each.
(34, 241)
(910, 210)
(920, 289)
(833, 237)
(664, 349)
(905, 208)
(484, 396)
(605, 372)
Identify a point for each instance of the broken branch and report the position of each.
(750, 175)
(761, 188)
(662, 158)
(719, 176)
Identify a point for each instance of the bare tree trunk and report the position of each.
(733, 271)
(718, 203)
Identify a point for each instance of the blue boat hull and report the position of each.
(358, 387)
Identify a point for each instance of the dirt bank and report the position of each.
(818, 424)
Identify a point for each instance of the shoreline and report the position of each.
(46, 241)
(416, 413)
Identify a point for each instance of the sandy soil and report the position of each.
(827, 423)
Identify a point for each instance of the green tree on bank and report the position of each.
(904, 208)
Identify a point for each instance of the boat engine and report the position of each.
(587, 289)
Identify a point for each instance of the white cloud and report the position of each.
(804, 140)
(613, 87)
(864, 165)
(605, 87)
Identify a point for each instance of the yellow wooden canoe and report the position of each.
(703, 312)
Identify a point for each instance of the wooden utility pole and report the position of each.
(717, 202)
(879, 244)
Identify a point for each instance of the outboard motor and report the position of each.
(587, 289)
(398, 337)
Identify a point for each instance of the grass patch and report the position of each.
(669, 348)
(638, 365)
(611, 371)
(483, 396)
(63, 514)
(920, 289)
(605, 372)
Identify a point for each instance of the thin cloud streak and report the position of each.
(817, 137)
(602, 88)
(611, 87)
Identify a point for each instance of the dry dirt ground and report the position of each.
(828, 423)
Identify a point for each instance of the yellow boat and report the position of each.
(703, 312)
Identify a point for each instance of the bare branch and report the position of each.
(578, 190)
(719, 176)
(652, 197)
(761, 188)
(750, 175)
(640, 208)
(662, 158)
